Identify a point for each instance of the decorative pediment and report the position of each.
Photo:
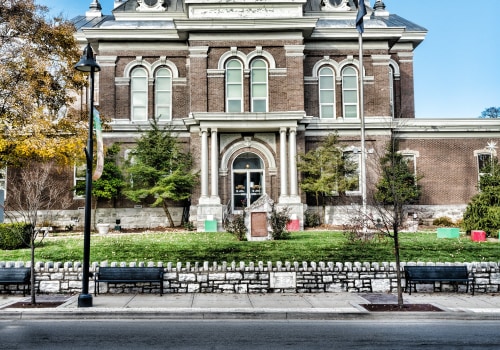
(151, 5)
(337, 5)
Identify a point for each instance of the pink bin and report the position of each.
(478, 235)
(293, 225)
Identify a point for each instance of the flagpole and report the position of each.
(362, 119)
(360, 27)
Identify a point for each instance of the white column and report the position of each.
(283, 165)
(292, 142)
(204, 163)
(214, 164)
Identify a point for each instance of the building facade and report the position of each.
(248, 85)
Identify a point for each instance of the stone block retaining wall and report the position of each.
(305, 277)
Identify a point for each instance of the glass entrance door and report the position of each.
(248, 180)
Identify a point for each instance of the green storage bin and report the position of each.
(210, 225)
(448, 232)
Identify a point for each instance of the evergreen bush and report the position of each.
(483, 211)
(14, 236)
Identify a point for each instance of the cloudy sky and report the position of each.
(457, 67)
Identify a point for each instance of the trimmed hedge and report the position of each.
(14, 236)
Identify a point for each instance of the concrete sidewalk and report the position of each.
(254, 306)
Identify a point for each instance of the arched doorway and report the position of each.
(247, 180)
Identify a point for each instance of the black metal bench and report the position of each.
(132, 275)
(16, 276)
(431, 274)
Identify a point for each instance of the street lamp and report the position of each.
(88, 63)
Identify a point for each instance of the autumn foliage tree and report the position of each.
(39, 131)
(37, 84)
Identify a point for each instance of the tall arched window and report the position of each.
(259, 85)
(234, 86)
(391, 89)
(163, 94)
(326, 93)
(350, 92)
(139, 94)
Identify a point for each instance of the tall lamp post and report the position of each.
(88, 64)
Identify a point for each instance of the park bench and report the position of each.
(129, 275)
(431, 274)
(16, 276)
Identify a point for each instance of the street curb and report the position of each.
(244, 314)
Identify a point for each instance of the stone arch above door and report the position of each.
(245, 144)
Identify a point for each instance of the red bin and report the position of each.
(478, 235)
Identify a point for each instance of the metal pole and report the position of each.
(362, 117)
(85, 298)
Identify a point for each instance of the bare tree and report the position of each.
(35, 190)
(397, 187)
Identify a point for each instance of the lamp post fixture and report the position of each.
(88, 63)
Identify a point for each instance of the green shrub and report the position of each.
(443, 221)
(235, 224)
(279, 219)
(14, 236)
(481, 214)
(311, 219)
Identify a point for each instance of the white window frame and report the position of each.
(392, 98)
(3, 181)
(346, 90)
(139, 95)
(486, 154)
(256, 84)
(326, 91)
(355, 156)
(234, 90)
(77, 177)
(162, 102)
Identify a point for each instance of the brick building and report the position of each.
(247, 85)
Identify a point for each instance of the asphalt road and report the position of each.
(243, 334)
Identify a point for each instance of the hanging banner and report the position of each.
(100, 146)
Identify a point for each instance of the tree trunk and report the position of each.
(398, 267)
(32, 277)
(167, 213)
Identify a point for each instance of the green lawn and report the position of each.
(303, 246)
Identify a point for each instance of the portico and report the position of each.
(238, 166)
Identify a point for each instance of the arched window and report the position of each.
(163, 94)
(350, 92)
(139, 94)
(391, 89)
(234, 86)
(326, 93)
(259, 85)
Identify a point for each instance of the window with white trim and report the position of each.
(259, 85)
(354, 158)
(483, 163)
(391, 90)
(234, 86)
(139, 94)
(411, 161)
(79, 180)
(326, 77)
(163, 94)
(350, 92)
(3, 181)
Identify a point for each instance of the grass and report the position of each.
(303, 246)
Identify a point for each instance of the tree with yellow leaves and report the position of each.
(38, 127)
(37, 87)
